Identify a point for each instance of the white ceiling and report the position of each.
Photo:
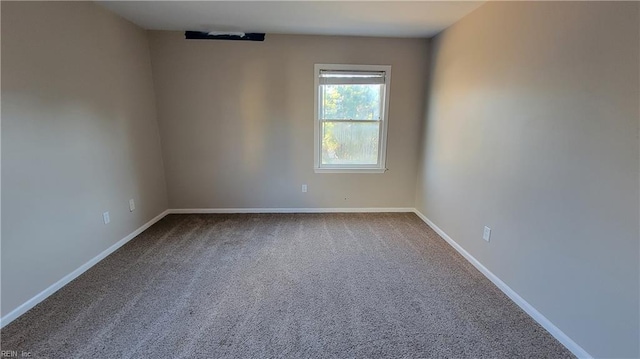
(360, 18)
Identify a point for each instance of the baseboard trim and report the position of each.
(564, 339)
(528, 308)
(24, 307)
(289, 210)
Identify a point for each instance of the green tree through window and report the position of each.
(356, 141)
(351, 102)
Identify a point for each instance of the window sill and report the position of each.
(349, 170)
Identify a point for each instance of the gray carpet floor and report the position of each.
(282, 285)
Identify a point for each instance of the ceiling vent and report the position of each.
(220, 35)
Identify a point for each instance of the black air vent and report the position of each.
(201, 35)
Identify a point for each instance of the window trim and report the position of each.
(382, 150)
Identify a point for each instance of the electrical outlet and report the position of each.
(132, 205)
(105, 217)
(304, 188)
(486, 235)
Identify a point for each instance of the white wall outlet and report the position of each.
(132, 205)
(106, 218)
(304, 188)
(486, 235)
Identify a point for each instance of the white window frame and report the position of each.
(380, 167)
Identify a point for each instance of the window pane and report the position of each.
(351, 102)
(350, 143)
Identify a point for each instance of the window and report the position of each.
(351, 117)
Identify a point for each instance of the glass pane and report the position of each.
(351, 102)
(350, 143)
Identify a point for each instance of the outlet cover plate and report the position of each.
(486, 235)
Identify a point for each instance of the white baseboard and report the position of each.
(528, 308)
(23, 308)
(289, 210)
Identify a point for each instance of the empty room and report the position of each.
(320, 179)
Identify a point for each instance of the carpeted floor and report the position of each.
(282, 285)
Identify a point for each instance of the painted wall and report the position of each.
(79, 137)
(236, 120)
(532, 129)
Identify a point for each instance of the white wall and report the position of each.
(79, 137)
(532, 129)
(236, 120)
